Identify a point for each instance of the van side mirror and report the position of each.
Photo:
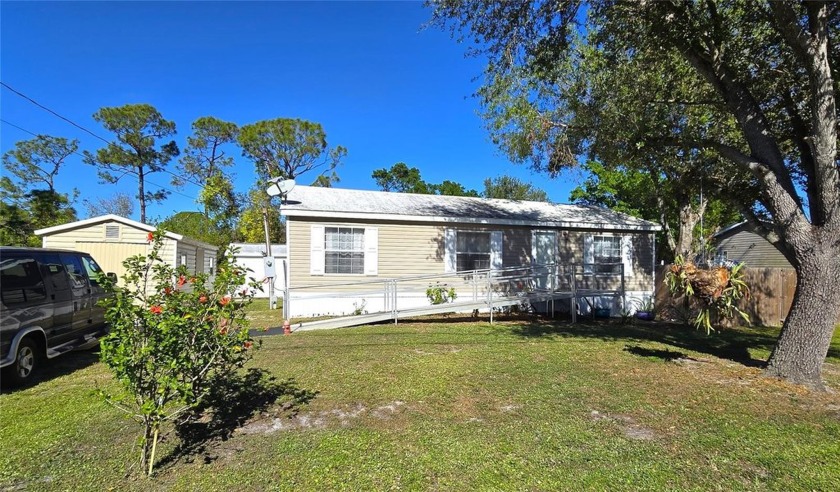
(112, 276)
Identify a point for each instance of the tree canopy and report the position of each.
(120, 204)
(137, 128)
(288, 148)
(403, 179)
(30, 200)
(743, 93)
(513, 189)
(655, 197)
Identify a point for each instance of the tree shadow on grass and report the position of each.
(233, 400)
(732, 345)
(665, 355)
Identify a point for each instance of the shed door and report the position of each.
(110, 255)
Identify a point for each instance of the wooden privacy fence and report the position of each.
(771, 294)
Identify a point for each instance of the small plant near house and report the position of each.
(718, 290)
(440, 294)
(359, 308)
(645, 309)
(173, 336)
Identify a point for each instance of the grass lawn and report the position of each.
(520, 405)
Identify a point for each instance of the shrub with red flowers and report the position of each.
(170, 340)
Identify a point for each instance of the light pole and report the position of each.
(276, 187)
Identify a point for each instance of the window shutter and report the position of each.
(588, 253)
(316, 250)
(371, 251)
(450, 255)
(627, 254)
(496, 250)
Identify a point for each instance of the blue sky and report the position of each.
(381, 85)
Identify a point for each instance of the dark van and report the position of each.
(50, 306)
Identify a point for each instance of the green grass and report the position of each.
(520, 405)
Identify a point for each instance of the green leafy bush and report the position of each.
(440, 294)
(171, 336)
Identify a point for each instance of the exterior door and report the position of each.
(545, 258)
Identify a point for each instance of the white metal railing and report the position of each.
(471, 287)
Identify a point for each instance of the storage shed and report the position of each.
(110, 239)
(740, 243)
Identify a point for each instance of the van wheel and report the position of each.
(26, 362)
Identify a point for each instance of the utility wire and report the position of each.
(80, 127)
(129, 171)
(68, 120)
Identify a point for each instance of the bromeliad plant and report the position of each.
(172, 335)
(717, 289)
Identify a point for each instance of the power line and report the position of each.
(68, 120)
(145, 180)
(80, 127)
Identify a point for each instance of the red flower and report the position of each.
(224, 301)
(247, 345)
(150, 237)
(156, 309)
(202, 299)
(167, 290)
(182, 280)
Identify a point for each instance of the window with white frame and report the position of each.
(472, 251)
(344, 250)
(606, 254)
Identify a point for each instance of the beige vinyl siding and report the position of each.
(752, 250)
(190, 251)
(109, 253)
(571, 250)
(407, 249)
(404, 249)
(110, 256)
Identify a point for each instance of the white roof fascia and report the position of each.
(472, 220)
(105, 218)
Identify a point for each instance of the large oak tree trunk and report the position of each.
(806, 335)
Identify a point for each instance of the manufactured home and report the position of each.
(355, 252)
(110, 239)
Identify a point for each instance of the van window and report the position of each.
(92, 269)
(74, 271)
(21, 282)
(53, 272)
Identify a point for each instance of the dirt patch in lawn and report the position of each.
(627, 424)
(338, 417)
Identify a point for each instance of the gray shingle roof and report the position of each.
(378, 205)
